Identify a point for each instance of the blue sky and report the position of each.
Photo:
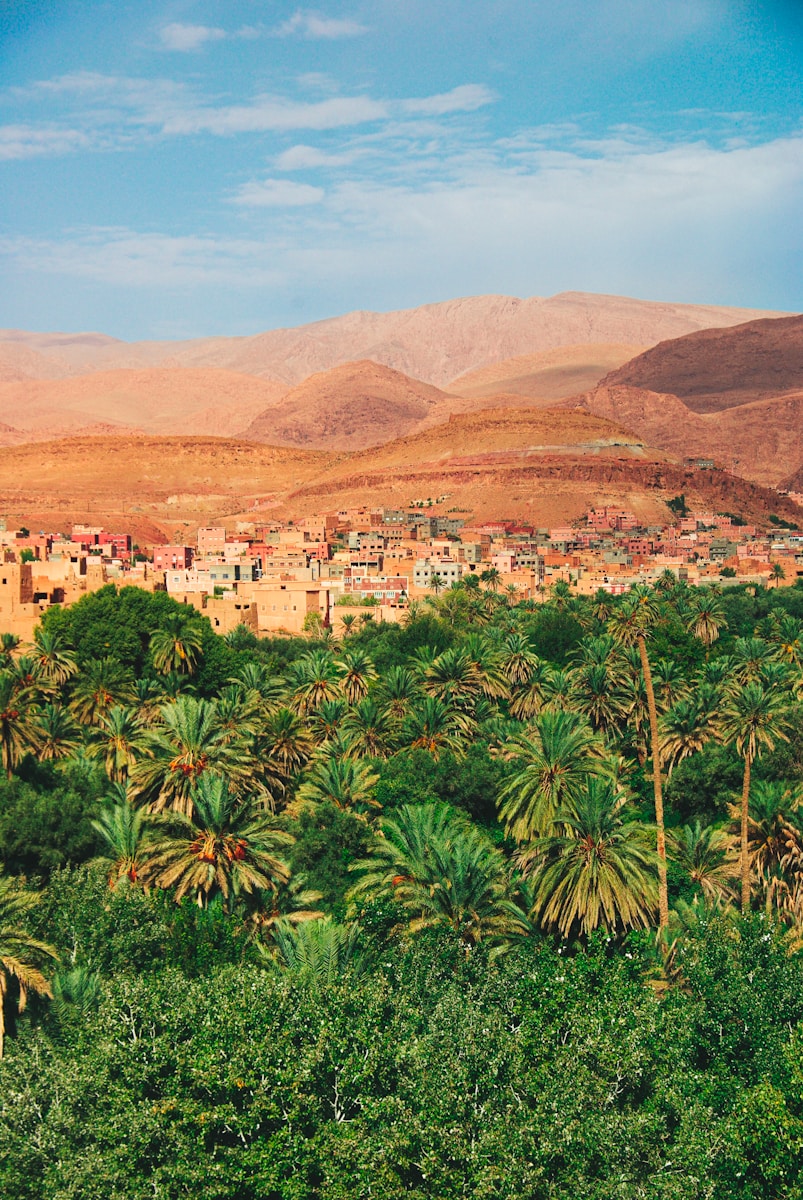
(186, 168)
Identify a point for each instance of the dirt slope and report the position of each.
(547, 376)
(761, 441)
(347, 408)
(158, 400)
(716, 369)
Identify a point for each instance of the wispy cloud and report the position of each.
(699, 216)
(277, 193)
(313, 25)
(188, 37)
(466, 98)
(277, 113)
(30, 141)
(309, 158)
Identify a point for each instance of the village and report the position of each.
(328, 570)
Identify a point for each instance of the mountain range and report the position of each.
(525, 405)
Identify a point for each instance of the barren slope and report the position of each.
(152, 486)
(154, 401)
(350, 407)
(762, 441)
(436, 342)
(547, 376)
(533, 465)
(715, 369)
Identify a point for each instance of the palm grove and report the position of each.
(503, 900)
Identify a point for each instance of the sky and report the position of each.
(184, 168)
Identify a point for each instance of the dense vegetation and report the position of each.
(502, 901)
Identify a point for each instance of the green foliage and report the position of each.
(328, 841)
(46, 821)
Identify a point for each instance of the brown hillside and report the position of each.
(193, 401)
(715, 369)
(347, 408)
(533, 465)
(436, 342)
(155, 487)
(547, 376)
(761, 441)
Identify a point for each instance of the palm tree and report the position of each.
(687, 728)
(21, 955)
(706, 616)
(441, 869)
(313, 679)
(701, 853)
(487, 664)
(531, 695)
(435, 726)
(774, 842)
(325, 723)
(54, 733)
(752, 720)
(321, 953)
(56, 663)
(368, 730)
(347, 783)
(9, 642)
(750, 656)
(187, 744)
(437, 582)
(286, 741)
(398, 691)
(121, 740)
(669, 682)
(176, 646)
(518, 661)
(596, 692)
(255, 678)
(357, 673)
(17, 721)
(102, 684)
(492, 578)
(600, 871)
(630, 625)
(124, 830)
(453, 678)
(777, 573)
(558, 754)
(226, 846)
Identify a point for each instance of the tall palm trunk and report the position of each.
(663, 890)
(744, 864)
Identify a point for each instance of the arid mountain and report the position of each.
(436, 342)
(546, 466)
(761, 441)
(347, 408)
(547, 376)
(192, 401)
(155, 487)
(716, 369)
(533, 464)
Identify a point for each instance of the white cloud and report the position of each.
(466, 98)
(277, 193)
(306, 158)
(188, 37)
(687, 222)
(31, 141)
(312, 25)
(278, 114)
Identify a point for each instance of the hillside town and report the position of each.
(327, 570)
